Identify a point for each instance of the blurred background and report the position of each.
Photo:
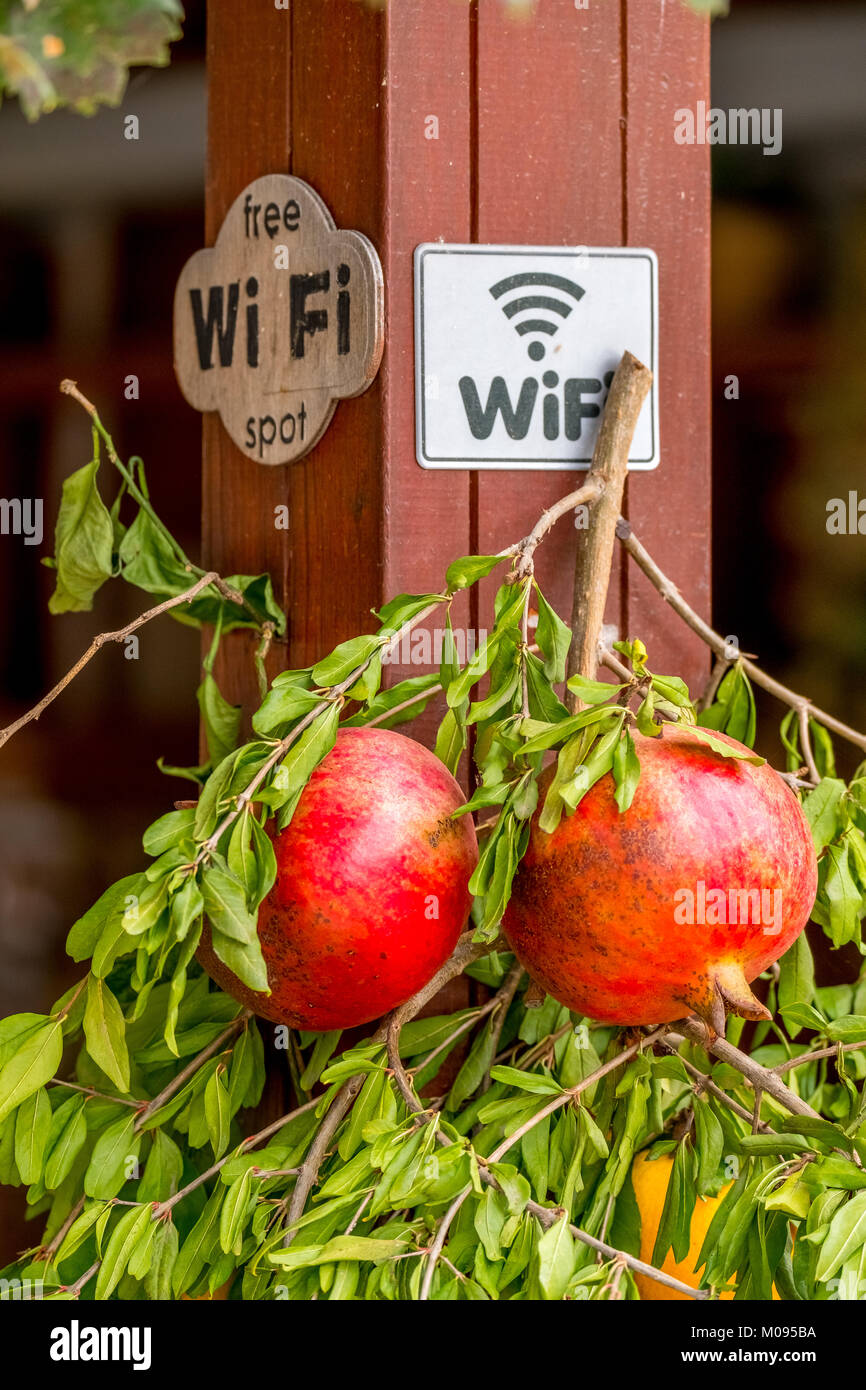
(94, 230)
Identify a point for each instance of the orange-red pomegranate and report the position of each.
(372, 886)
(673, 905)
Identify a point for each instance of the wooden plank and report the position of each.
(248, 136)
(549, 174)
(668, 208)
(335, 494)
(426, 79)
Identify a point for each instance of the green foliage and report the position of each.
(77, 53)
(122, 1111)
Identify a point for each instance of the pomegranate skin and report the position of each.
(599, 910)
(370, 853)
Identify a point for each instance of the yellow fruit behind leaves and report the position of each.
(650, 1182)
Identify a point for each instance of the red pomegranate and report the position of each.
(372, 886)
(674, 905)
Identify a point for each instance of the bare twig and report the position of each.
(502, 1000)
(524, 551)
(816, 1056)
(806, 742)
(100, 641)
(163, 1208)
(95, 1095)
(671, 1044)
(336, 1112)
(761, 1078)
(714, 640)
(191, 1068)
(609, 464)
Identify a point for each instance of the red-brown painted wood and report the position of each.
(248, 135)
(667, 207)
(427, 71)
(549, 174)
(555, 130)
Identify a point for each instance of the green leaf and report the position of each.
(556, 1260)
(553, 637)
(501, 695)
(458, 690)
(234, 1213)
(196, 1248)
(157, 1284)
(31, 1067)
(733, 710)
(843, 896)
(850, 1028)
(796, 977)
(304, 756)
(402, 609)
(79, 1231)
(798, 1015)
(536, 1082)
(626, 771)
(244, 959)
(463, 573)
(544, 704)
(14, 1031)
(168, 831)
(266, 862)
(451, 741)
(217, 1112)
(344, 659)
(105, 1033)
(322, 1053)
(718, 745)
(130, 1231)
(149, 562)
(163, 1170)
(388, 702)
(491, 1214)
(282, 705)
(70, 1139)
(846, 1236)
(821, 809)
(107, 910)
(221, 720)
(709, 1145)
(32, 1125)
(474, 1069)
(339, 1248)
(593, 692)
(226, 905)
(676, 1218)
(83, 545)
(116, 1147)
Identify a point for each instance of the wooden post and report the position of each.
(552, 130)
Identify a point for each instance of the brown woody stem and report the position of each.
(609, 468)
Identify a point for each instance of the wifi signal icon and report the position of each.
(532, 303)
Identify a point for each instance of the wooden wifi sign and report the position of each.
(279, 321)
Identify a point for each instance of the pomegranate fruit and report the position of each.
(672, 906)
(371, 891)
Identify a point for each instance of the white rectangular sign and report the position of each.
(516, 346)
